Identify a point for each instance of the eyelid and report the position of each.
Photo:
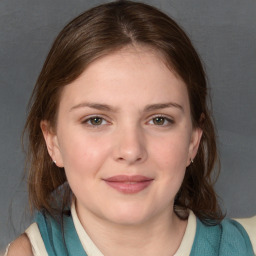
(86, 119)
(169, 119)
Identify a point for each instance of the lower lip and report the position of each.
(129, 187)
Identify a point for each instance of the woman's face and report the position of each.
(124, 137)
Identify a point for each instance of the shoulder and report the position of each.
(36, 240)
(233, 229)
(249, 225)
(21, 246)
(227, 238)
(241, 234)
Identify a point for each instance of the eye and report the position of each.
(95, 121)
(161, 121)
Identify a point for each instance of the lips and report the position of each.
(129, 184)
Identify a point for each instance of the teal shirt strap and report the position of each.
(56, 242)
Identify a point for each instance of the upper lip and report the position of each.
(128, 178)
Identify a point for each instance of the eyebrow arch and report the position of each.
(153, 107)
(97, 106)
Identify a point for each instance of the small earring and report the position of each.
(54, 161)
(191, 160)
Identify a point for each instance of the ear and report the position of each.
(194, 144)
(52, 143)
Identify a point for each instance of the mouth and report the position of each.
(129, 184)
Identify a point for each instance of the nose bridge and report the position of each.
(130, 146)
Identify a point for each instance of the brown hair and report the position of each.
(96, 33)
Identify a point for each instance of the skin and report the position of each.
(132, 135)
(21, 246)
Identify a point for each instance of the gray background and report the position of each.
(224, 33)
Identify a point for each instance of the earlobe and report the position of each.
(52, 144)
(194, 144)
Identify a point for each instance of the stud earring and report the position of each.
(54, 161)
(191, 160)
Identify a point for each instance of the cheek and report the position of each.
(171, 152)
(83, 161)
(83, 155)
(169, 159)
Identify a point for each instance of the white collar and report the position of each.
(92, 250)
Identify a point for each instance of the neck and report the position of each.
(161, 235)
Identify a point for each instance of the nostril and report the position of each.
(131, 160)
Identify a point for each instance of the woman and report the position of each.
(121, 143)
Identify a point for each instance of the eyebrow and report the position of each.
(153, 107)
(106, 107)
(98, 106)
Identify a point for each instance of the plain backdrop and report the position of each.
(223, 32)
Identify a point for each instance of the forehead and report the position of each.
(126, 75)
(132, 56)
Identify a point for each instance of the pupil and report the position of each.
(96, 121)
(159, 120)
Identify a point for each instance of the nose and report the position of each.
(130, 146)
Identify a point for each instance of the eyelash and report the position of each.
(167, 120)
(88, 121)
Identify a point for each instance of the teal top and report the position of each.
(226, 239)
